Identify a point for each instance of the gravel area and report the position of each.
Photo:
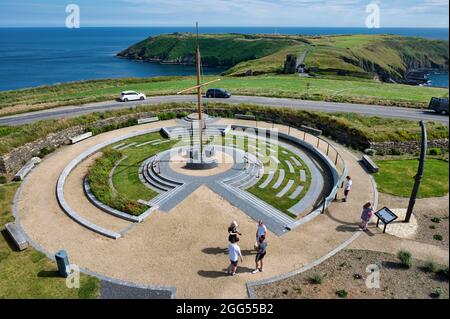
(346, 272)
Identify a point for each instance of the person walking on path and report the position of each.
(261, 230)
(262, 250)
(366, 216)
(233, 232)
(234, 253)
(347, 188)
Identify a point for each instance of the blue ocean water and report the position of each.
(32, 57)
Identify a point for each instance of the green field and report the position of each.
(30, 274)
(396, 177)
(344, 89)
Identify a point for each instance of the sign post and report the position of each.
(386, 216)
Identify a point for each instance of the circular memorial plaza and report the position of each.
(129, 205)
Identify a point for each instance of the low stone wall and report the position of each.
(406, 147)
(13, 161)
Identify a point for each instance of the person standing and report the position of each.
(366, 216)
(261, 230)
(233, 232)
(347, 188)
(234, 253)
(262, 250)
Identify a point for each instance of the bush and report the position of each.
(438, 237)
(46, 151)
(431, 266)
(342, 293)
(433, 227)
(444, 271)
(317, 279)
(405, 258)
(437, 293)
(3, 179)
(435, 151)
(436, 220)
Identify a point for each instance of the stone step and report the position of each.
(162, 178)
(266, 209)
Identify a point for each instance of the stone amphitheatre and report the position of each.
(127, 206)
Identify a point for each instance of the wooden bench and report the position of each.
(311, 130)
(245, 117)
(18, 238)
(148, 120)
(80, 138)
(370, 165)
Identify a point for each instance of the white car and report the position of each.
(132, 96)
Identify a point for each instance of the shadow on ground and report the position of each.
(223, 273)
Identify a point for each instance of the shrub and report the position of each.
(3, 179)
(298, 290)
(342, 293)
(46, 151)
(437, 293)
(405, 258)
(432, 227)
(317, 279)
(438, 237)
(444, 271)
(436, 151)
(430, 266)
(436, 220)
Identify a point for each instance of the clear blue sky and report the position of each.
(308, 13)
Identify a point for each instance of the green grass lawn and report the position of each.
(343, 89)
(30, 274)
(128, 187)
(396, 177)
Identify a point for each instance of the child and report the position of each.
(347, 188)
(366, 216)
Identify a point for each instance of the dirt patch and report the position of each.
(346, 272)
(432, 216)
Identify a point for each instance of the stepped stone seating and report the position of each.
(268, 180)
(280, 179)
(147, 143)
(286, 189)
(124, 147)
(296, 161)
(276, 160)
(303, 176)
(291, 168)
(297, 192)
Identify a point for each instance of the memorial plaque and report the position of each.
(386, 216)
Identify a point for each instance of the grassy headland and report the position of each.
(386, 57)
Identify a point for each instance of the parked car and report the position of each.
(218, 94)
(439, 105)
(132, 96)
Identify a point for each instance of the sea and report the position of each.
(31, 57)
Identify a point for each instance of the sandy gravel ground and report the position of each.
(184, 248)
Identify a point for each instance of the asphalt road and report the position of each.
(369, 110)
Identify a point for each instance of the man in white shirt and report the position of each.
(234, 252)
(261, 231)
(347, 188)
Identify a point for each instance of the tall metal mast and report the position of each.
(199, 95)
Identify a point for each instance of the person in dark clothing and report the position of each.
(233, 232)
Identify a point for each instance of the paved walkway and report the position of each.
(185, 248)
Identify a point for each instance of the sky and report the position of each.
(274, 13)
